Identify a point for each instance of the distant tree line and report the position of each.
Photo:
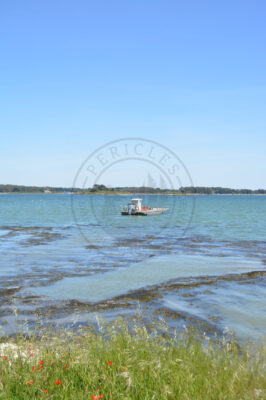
(99, 188)
(182, 190)
(218, 190)
(35, 189)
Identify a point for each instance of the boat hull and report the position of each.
(151, 211)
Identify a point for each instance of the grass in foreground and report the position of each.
(128, 363)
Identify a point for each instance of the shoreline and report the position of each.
(126, 361)
(139, 193)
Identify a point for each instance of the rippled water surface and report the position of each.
(66, 257)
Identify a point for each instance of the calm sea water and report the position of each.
(63, 253)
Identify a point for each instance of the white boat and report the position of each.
(135, 207)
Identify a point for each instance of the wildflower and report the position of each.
(30, 382)
(33, 368)
(5, 357)
(101, 396)
(45, 391)
(58, 382)
(40, 367)
(67, 367)
(31, 354)
(52, 362)
(30, 348)
(110, 362)
(41, 362)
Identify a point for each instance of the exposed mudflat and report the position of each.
(214, 277)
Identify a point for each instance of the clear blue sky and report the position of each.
(189, 74)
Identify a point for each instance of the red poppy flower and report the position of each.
(41, 362)
(45, 391)
(110, 362)
(31, 354)
(58, 382)
(30, 348)
(5, 357)
(30, 382)
(101, 396)
(33, 369)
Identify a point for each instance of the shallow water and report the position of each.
(48, 259)
(153, 271)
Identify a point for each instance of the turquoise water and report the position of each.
(222, 217)
(60, 248)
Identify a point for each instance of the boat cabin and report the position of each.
(136, 204)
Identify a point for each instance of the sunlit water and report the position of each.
(56, 248)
